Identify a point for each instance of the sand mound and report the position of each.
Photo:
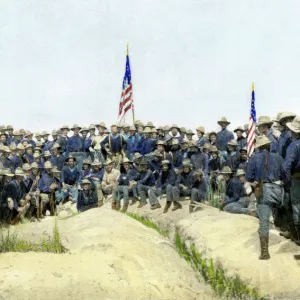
(233, 240)
(111, 257)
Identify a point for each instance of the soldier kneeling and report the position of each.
(87, 198)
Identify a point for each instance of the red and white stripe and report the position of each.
(126, 103)
(251, 136)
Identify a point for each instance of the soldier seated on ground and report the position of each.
(126, 184)
(237, 200)
(163, 185)
(110, 178)
(87, 198)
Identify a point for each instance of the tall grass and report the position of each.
(11, 243)
(148, 223)
(230, 287)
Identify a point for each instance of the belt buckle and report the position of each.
(117, 154)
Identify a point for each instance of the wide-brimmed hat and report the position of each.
(137, 155)
(126, 125)
(34, 165)
(28, 133)
(48, 165)
(20, 147)
(55, 170)
(244, 149)
(193, 144)
(157, 153)
(240, 172)
(19, 172)
(126, 161)
(37, 154)
(187, 164)
(201, 129)
(261, 140)
(240, 128)
(26, 167)
(6, 149)
(9, 127)
(147, 130)
(7, 172)
(64, 127)
(295, 125)
(54, 132)
(47, 153)
(56, 146)
(185, 141)
(69, 157)
(190, 132)
(13, 147)
(45, 133)
(3, 133)
(167, 128)
(213, 148)
(75, 126)
(143, 162)
(102, 124)
(132, 128)
(165, 162)
(38, 134)
(232, 143)
(286, 115)
(226, 170)
(223, 120)
(92, 127)
(264, 120)
(153, 130)
(85, 181)
(150, 124)
(108, 162)
(137, 122)
(206, 146)
(160, 142)
(84, 129)
(182, 130)
(16, 133)
(96, 162)
(86, 162)
(175, 126)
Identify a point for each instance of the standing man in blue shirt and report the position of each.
(75, 145)
(223, 137)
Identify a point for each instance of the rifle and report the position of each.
(52, 203)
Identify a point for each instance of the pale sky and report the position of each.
(63, 61)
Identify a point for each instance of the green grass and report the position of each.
(148, 223)
(230, 287)
(11, 243)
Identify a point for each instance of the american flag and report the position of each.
(126, 101)
(252, 122)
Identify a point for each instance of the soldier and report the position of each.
(147, 144)
(160, 146)
(264, 125)
(116, 144)
(175, 132)
(86, 168)
(75, 145)
(9, 130)
(110, 180)
(126, 133)
(223, 137)
(57, 160)
(46, 156)
(97, 140)
(285, 138)
(3, 138)
(87, 198)
(145, 182)
(237, 200)
(199, 190)
(241, 141)
(96, 176)
(29, 137)
(126, 184)
(215, 165)
(47, 144)
(182, 132)
(201, 138)
(232, 157)
(63, 139)
(199, 160)
(15, 159)
(185, 154)
(28, 156)
(155, 163)
(164, 185)
(131, 143)
(167, 133)
(189, 135)
(242, 160)
(175, 156)
(292, 177)
(265, 172)
(213, 138)
(5, 211)
(71, 177)
(6, 161)
(60, 194)
(183, 186)
(17, 137)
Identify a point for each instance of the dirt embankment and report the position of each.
(111, 256)
(233, 240)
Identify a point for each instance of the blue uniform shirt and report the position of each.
(75, 144)
(70, 176)
(223, 137)
(284, 140)
(292, 160)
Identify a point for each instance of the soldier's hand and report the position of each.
(10, 203)
(27, 197)
(53, 186)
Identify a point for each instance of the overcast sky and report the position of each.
(62, 61)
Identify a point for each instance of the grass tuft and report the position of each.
(232, 287)
(11, 243)
(148, 223)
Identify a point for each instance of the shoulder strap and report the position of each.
(265, 165)
(109, 142)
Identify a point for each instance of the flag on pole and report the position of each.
(252, 123)
(126, 101)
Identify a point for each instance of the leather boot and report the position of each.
(142, 204)
(155, 206)
(176, 205)
(118, 206)
(264, 245)
(125, 206)
(113, 204)
(134, 201)
(297, 230)
(100, 203)
(167, 206)
(293, 232)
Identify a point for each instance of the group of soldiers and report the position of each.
(139, 162)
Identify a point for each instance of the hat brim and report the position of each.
(260, 145)
(224, 122)
(264, 123)
(292, 127)
(286, 117)
(79, 128)
(239, 129)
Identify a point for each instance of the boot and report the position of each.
(142, 204)
(100, 203)
(252, 213)
(167, 206)
(297, 229)
(113, 204)
(293, 232)
(286, 234)
(125, 206)
(176, 205)
(118, 206)
(155, 206)
(134, 201)
(264, 244)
